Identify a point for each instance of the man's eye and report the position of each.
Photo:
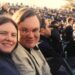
(35, 30)
(24, 30)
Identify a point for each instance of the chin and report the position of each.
(31, 46)
(7, 50)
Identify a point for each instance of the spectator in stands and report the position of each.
(55, 37)
(28, 57)
(45, 33)
(8, 42)
(5, 8)
(52, 55)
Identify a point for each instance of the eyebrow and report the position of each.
(3, 31)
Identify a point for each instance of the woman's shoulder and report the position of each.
(7, 69)
(4, 64)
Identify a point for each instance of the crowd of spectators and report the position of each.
(62, 24)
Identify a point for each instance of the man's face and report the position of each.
(47, 28)
(29, 31)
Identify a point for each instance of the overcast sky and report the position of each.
(40, 3)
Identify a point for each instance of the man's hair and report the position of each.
(24, 13)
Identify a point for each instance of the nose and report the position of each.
(9, 38)
(30, 34)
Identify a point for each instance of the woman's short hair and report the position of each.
(4, 19)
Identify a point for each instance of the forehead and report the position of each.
(30, 22)
(8, 26)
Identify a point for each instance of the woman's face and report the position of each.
(8, 37)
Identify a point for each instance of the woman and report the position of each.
(8, 42)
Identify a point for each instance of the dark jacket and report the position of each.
(70, 48)
(50, 47)
(68, 34)
(46, 48)
(7, 66)
(52, 55)
(56, 42)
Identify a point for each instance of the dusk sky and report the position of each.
(39, 3)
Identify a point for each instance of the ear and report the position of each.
(42, 30)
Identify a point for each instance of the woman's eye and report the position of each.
(3, 33)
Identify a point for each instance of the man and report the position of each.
(27, 56)
(45, 34)
(50, 46)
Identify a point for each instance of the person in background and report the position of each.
(8, 43)
(48, 47)
(28, 57)
(45, 33)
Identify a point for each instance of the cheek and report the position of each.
(37, 36)
(22, 37)
(15, 41)
(1, 38)
(22, 34)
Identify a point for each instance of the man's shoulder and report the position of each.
(19, 47)
(20, 51)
